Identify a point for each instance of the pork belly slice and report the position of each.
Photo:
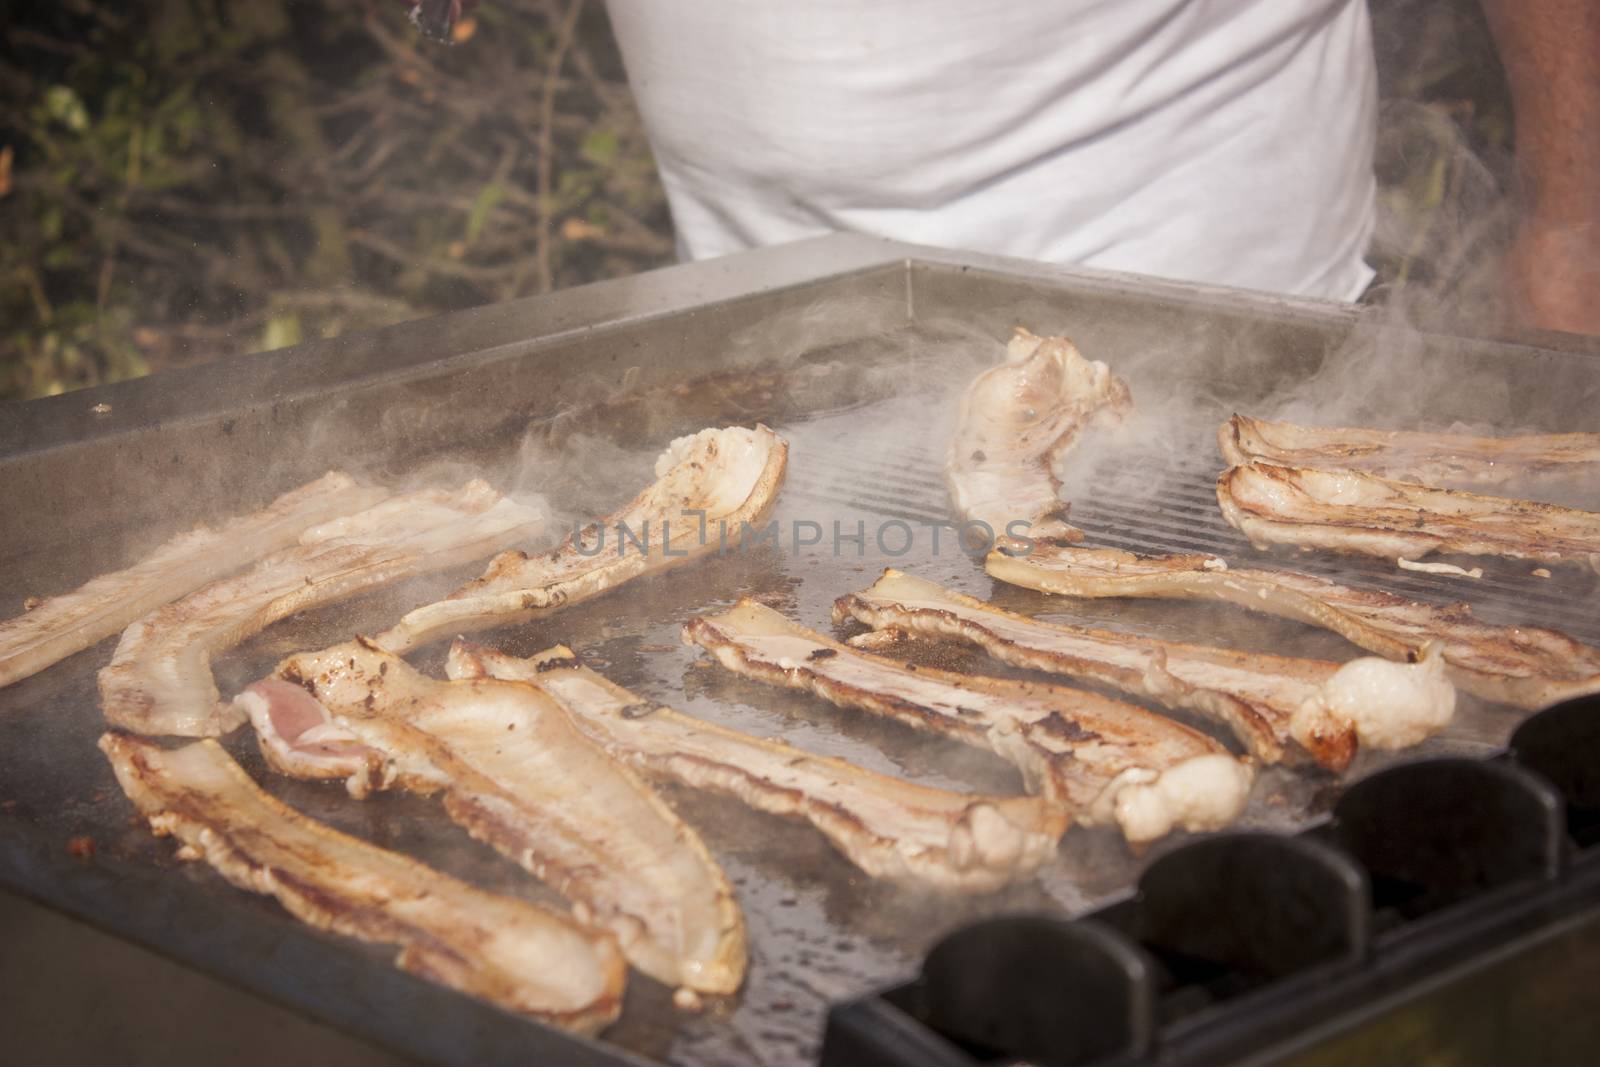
(1015, 422)
(515, 771)
(1524, 666)
(1103, 761)
(1429, 458)
(60, 626)
(513, 953)
(159, 680)
(892, 829)
(708, 486)
(1349, 511)
(1275, 705)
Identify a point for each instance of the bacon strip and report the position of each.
(1016, 420)
(1269, 702)
(708, 487)
(1429, 458)
(1350, 511)
(515, 954)
(516, 772)
(159, 681)
(60, 626)
(1104, 761)
(891, 829)
(1524, 666)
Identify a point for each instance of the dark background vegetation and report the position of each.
(187, 179)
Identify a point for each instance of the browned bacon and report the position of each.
(1273, 704)
(159, 680)
(891, 829)
(1350, 511)
(1429, 458)
(1105, 761)
(518, 955)
(1015, 422)
(55, 628)
(1521, 665)
(708, 487)
(516, 772)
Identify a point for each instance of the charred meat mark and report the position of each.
(1066, 729)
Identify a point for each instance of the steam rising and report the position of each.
(866, 389)
(1411, 362)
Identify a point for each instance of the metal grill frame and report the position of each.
(76, 471)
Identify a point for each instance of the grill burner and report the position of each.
(826, 325)
(1434, 885)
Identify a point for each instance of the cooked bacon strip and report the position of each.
(708, 487)
(513, 953)
(517, 773)
(159, 681)
(891, 829)
(1270, 702)
(1429, 458)
(1104, 761)
(1350, 511)
(1016, 420)
(56, 628)
(1520, 665)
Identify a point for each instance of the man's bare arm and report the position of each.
(1551, 53)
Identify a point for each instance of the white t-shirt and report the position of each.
(1223, 141)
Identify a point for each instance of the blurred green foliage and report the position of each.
(1444, 164)
(184, 179)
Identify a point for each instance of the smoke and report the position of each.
(865, 384)
(1417, 353)
(1444, 221)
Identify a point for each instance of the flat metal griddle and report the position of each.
(854, 349)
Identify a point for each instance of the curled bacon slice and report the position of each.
(1106, 762)
(1429, 458)
(516, 954)
(1273, 704)
(57, 627)
(708, 487)
(1015, 421)
(516, 772)
(1350, 511)
(159, 680)
(891, 829)
(1526, 666)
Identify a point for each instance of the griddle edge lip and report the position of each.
(27, 429)
(161, 908)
